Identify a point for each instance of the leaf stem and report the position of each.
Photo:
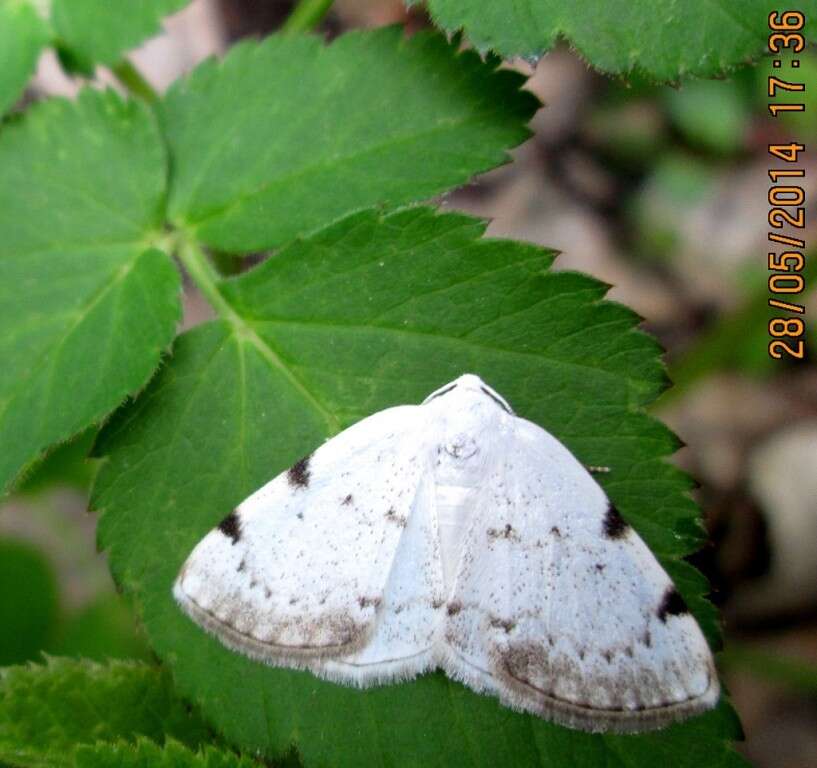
(134, 81)
(306, 16)
(206, 278)
(204, 275)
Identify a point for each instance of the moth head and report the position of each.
(470, 383)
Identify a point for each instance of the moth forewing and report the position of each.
(454, 534)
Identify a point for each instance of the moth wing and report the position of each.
(562, 610)
(402, 642)
(298, 570)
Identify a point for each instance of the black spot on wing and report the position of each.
(298, 474)
(614, 525)
(230, 526)
(672, 604)
(504, 624)
(393, 517)
(504, 533)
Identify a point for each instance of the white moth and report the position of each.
(454, 534)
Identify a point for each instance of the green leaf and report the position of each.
(789, 125)
(22, 36)
(783, 670)
(711, 114)
(47, 711)
(287, 135)
(86, 304)
(105, 629)
(146, 753)
(673, 188)
(66, 465)
(28, 602)
(663, 39)
(736, 341)
(99, 32)
(372, 312)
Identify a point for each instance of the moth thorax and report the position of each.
(462, 459)
(461, 446)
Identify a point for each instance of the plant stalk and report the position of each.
(204, 275)
(134, 81)
(306, 16)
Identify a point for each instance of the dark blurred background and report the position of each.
(661, 192)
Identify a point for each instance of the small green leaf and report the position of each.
(736, 341)
(28, 602)
(146, 753)
(22, 36)
(86, 304)
(791, 125)
(99, 32)
(712, 114)
(47, 711)
(372, 312)
(664, 39)
(287, 135)
(66, 465)
(796, 673)
(105, 629)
